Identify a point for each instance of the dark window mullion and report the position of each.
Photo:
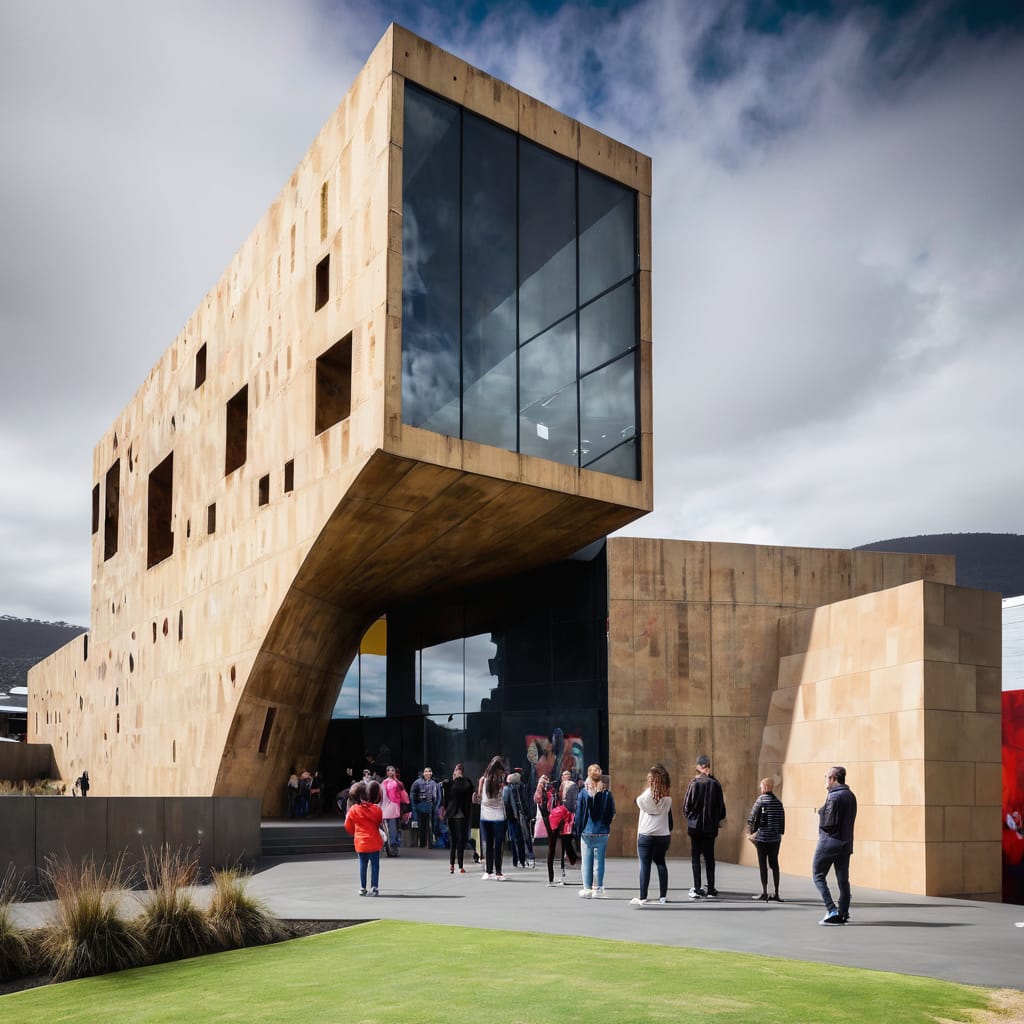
(638, 365)
(518, 272)
(462, 176)
(579, 395)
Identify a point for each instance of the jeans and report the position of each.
(516, 843)
(824, 859)
(594, 849)
(492, 833)
(702, 844)
(652, 849)
(373, 860)
(394, 832)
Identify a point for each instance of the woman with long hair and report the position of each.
(767, 823)
(492, 817)
(653, 833)
(557, 821)
(458, 811)
(363, 822)
(594, 812)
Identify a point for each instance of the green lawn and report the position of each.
(394, 972)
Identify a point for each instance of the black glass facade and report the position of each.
(520, 319)
(517, 668)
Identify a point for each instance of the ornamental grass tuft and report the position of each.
(89, 935)
(15, 948)
(172, 927)
(239, 919)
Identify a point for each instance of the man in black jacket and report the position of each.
(835, 845)
(704, 807)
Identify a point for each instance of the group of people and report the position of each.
(576, 822)
(304, 792)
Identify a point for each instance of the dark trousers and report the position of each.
(492, 834)
(824, 860)
(702, 844)
(425, 820)
(458, 829)
(768, 856)
(652, 850)
(554, 842)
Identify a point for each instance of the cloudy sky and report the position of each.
(838, 238)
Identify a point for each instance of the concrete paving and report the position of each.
(957, 940)
(967, 941)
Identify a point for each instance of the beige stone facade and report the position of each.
(784, 661)
(260, 502)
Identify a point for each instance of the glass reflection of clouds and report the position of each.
(519, 273)
(452, 678)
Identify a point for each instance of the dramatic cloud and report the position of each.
(838, 237)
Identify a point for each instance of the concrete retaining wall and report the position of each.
(20, 762)
(220, 830)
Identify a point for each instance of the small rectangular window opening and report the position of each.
(211, 518)
(236, 431)
(334, 385)
(268, 726)
(323, 212)
(289, 476)
(96, 509)
(264, 490)
(201, 365)
(160, 535)
(111, 510)
(323, 282)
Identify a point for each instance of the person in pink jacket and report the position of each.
(394, 796)
(363, 822)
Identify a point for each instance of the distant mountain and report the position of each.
(23, 642)
(988, 561)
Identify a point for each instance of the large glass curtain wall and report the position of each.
(519, 293)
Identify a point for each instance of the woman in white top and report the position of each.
(653, 833)
(492, 818)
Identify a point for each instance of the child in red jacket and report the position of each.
(363, 821)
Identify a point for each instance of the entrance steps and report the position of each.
(285, 838)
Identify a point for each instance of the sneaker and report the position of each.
(832, 917)
(559, 881)
(486, 877)
(375, 892)
(532, 864)
(551, 885)
(843, 918)
(696, 894)
(711, 894)
(763, 897)
(776, 898)
(599, 893)
(462, 871)
(663, 900)
(637, 902)
(499, 878)
(586, 893)
(362, 892)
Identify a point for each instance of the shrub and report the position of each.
(15, 951)
(171, 925)
(89, 935)
(238, 918)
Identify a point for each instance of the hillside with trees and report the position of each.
(988, 561)
(23, 642)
